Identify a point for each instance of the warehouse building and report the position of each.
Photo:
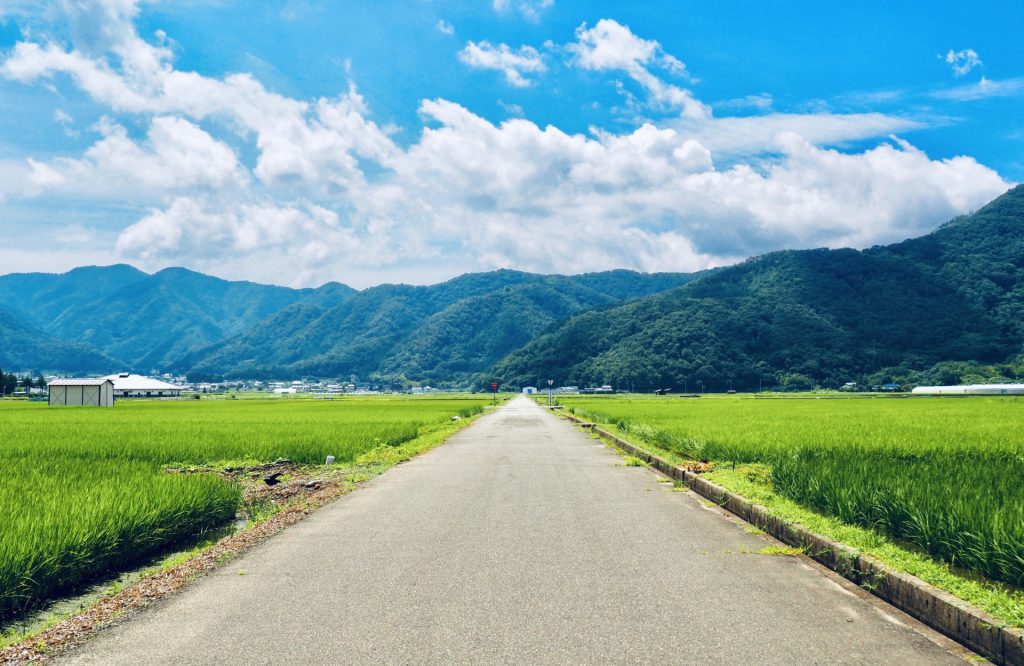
(136, 386)
(972, 389)
(81, 392)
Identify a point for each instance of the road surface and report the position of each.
(525, 541)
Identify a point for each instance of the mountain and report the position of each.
(25, 348)
(147, 321)
(438, 333)
(794, 319)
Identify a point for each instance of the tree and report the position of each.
(10, 384)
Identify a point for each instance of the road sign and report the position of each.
(494, 387)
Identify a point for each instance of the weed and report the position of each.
(786, 551)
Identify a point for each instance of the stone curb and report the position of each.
(940, 610)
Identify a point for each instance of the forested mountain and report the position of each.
(438, 333)
(26, 349)
(791, 319)
(144, 321)
(798, 318)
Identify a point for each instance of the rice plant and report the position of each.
(944, 474)
(83, 493)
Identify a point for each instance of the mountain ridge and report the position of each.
(799, 318)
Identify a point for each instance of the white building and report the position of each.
(972, 389)
(529, 390)
(82, 392)
(136, 386)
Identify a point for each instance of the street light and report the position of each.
(550, 382)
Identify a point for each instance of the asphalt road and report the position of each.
(520, 541)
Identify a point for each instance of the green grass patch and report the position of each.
(943, 474)
(932, 487)
(85, 491)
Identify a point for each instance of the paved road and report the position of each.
(520, 541)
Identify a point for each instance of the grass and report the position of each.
(84, 490)
(934, 487)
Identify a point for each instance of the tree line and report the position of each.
(12, 382)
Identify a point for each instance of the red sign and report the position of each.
(494, 387)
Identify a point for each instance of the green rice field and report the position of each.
(945, 474)
(83, 491)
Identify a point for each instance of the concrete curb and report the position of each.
(940, 610)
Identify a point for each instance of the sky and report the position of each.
(305, 141)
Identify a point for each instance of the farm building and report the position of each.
(529, 390)
(136, 386)
(972, 389)
(82, 392)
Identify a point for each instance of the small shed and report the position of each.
(81, 392)
(529, 390)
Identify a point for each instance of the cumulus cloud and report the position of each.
(611, 46)
(513, 63)
(204, 231)
(444, 27)
(962, 62)
(176, 155)
(326, 193)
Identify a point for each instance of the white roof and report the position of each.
(971, 388)
(140, 383)
(90, 381)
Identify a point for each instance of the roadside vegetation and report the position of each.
(945, 475)
(87, 491)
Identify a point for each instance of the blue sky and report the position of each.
(307, 141)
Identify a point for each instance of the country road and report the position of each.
(525, 541)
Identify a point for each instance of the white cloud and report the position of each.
(308, 234)
(760, 102)
(176, 155)
(329, 195)
(611, 46)
(983, 89)
(529, 9)
(513, 63)
(962, 62)
(747, 136)
(444, 27)
(512, 109)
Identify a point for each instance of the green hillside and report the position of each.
(144, 321)
(24, 348)
(438, 333)
(796, 319)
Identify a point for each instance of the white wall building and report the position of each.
(971, 389)
(82, 392)
(136, 386)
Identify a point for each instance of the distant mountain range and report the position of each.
(98, 318)
(789, 319)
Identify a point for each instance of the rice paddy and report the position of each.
(83, 491)
(946, 475)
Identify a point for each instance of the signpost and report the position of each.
(494, 391)
(550, 382)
